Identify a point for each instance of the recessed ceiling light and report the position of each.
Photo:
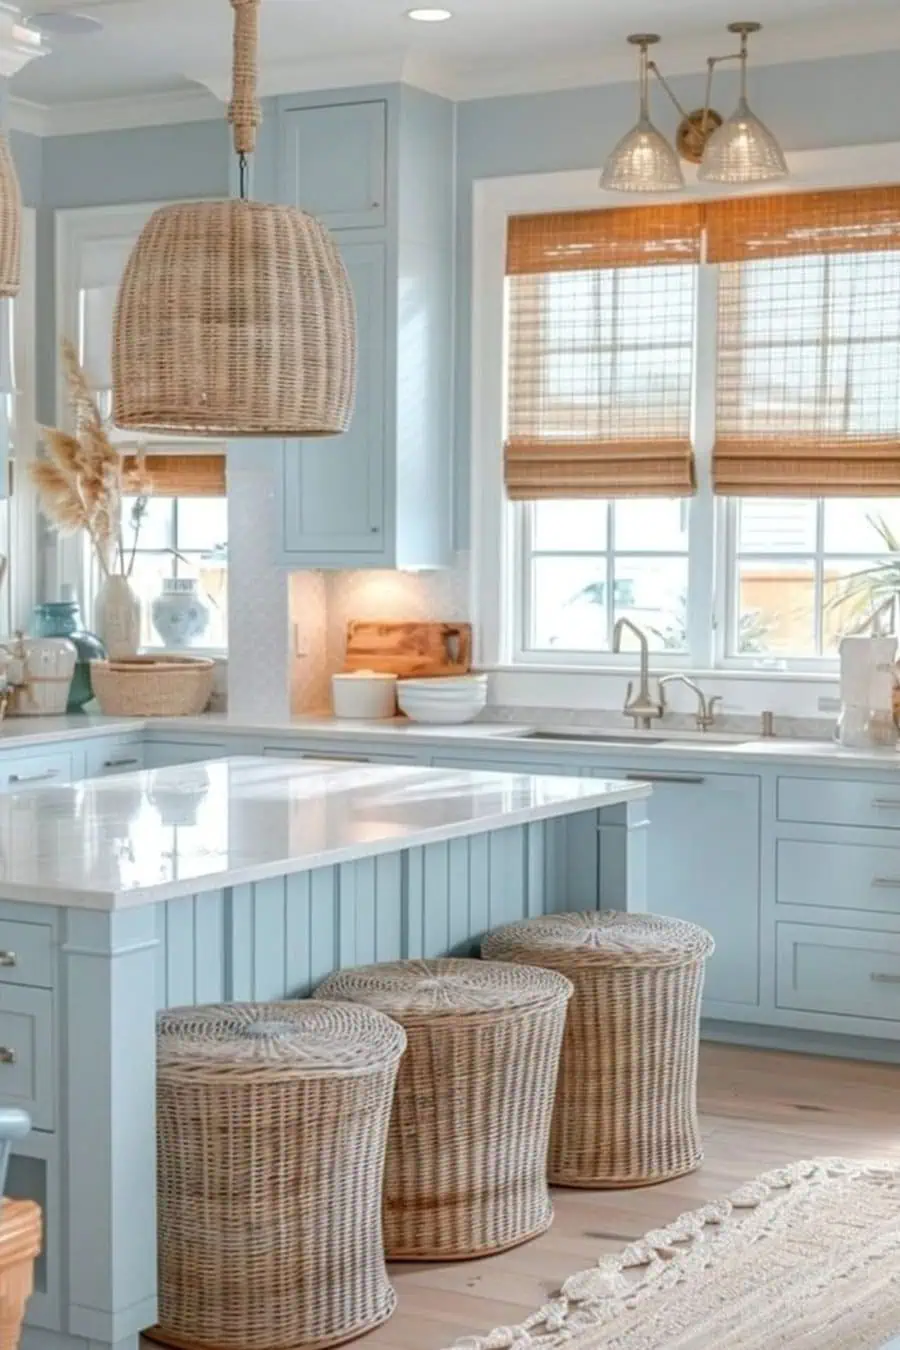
(429, 15)
(64, 23)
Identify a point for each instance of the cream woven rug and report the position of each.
(806, 1257)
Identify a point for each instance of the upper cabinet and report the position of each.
(335, 163)
(379, 172)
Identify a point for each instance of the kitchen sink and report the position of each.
(595, 737)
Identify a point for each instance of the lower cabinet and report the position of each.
(704, 866)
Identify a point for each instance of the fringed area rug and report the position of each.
(806, 1257)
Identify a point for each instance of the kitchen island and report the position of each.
(236, 879)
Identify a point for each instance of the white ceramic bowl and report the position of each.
(450, 701)
(364, 695)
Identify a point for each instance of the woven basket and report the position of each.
(466, 1171)
(10, 223)
(272, 1120)
(234, 318)
(149, 686)
(21, 1233)
(626, 1105)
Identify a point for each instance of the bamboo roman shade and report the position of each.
(808, 375)
(182, 475)
(600, 342)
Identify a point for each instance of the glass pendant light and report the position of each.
(643, 161)
(742, 149)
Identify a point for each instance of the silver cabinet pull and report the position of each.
(886, 883)
(35, 777)
(8, 959)
(119, 763)
(885, 804)
(7, 1056)
(881, 977)
(693, 779)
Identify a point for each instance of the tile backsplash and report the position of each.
(322, 603)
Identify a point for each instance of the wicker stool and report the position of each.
(466, 1171)
(272, 1122)
(626, 1106)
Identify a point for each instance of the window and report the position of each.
(776, 363)
(590, 563)
(184, 532)
(182, 537)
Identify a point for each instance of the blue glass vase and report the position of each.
(62, 618)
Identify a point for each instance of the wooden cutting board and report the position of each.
(409, 649)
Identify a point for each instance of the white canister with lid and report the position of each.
(364, 694)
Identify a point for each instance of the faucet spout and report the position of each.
(641, 707)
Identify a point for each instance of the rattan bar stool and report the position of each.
(272, 1121)
(466, 1171)
(626, 1104)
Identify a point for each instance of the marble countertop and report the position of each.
(144, 837)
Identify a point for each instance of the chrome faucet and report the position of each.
(641, 709)
(706, 708)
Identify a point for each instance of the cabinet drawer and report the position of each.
(159, 754)
(819, 801)
(847, 971)
(26, 1052)
(334, 163)
(838, 876)
(26, 953)
(108, 757)
(19, 775)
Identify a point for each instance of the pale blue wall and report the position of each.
(26, 151)
(812, 104)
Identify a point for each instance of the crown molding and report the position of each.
(491, 79)
(114, 114)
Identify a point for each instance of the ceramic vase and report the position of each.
(62, 618)
(180, 616)
(117, 618)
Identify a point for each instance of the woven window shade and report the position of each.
(808, 381)
(183, 475)
(600, 341)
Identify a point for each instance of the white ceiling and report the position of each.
(488, 47)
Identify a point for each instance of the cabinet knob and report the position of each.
(8, 959)
(7, 1056)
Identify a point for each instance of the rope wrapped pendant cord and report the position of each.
(244, 111)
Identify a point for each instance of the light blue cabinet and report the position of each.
(335, 162)
(333, 497)
(703, 865)
(380, 172)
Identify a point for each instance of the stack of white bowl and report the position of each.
(457, 699)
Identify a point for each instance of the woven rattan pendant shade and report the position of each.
(10, 223)
(235, 318)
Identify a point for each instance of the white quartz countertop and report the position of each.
(20, 734)
(144, 837)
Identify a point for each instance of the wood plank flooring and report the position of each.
(759, 1110)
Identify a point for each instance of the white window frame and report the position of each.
(495, 542)
(20, 532)
(75, 230)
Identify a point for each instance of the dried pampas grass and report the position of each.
(83, 479)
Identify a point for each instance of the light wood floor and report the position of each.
(759, 1110)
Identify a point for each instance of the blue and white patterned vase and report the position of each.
(179, 615)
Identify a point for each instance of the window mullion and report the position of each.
(702, 608)
(819, 579)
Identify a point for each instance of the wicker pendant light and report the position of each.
(10, 223)
(235, 318)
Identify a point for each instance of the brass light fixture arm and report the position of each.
(741, 28)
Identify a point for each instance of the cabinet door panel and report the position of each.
(334, 486)
(703, 865)
(334, 163)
